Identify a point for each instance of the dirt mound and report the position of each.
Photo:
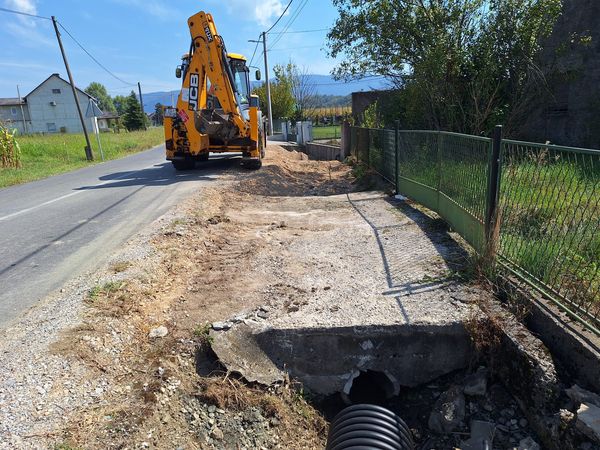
(291, 174)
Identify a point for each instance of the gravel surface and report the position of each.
(41, 389)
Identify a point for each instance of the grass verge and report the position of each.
(329, 132)
(46, 155)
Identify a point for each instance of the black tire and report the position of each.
(183, 165)
(203, 156)
(253, 164)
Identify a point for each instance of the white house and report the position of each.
(49, 108)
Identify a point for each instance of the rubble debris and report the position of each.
(221, 326)
(588, 421)
(476, 383)
(579, 395)
(528, 444)
(482, 436)
(158, 332)
(448, 411)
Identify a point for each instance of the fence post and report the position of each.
(440, 149)
(368, 147)
(397, 155)
(493, 189)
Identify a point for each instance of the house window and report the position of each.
(51, 127)
(13, 111)
(56, 91)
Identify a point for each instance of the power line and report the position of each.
(279, 18)
(24, 13)
(272, 26)
(94, 59)
(301, 31)
(255, 48)
(293, 48)
(291, 20)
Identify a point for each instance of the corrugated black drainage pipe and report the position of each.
(368, 426)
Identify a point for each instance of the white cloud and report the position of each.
(26, 6)
(28, 31)
(265, 12)
(22, 65)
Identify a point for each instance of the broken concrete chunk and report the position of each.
(239, 352)
(482, 435)
(221, 326)
(579, 395)
(217, 434)
(448, 411)
(476, 383)
(588, 421)
(158, 332)
(528, 444)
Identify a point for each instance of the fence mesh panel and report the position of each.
(464, 163)
(550, 220)
(549, 203)
(418, 157)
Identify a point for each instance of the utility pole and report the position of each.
(269, 109)
(22, 111)
(142, 105)
(88, 149)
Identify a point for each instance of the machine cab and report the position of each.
(181, 70)
(241, 77)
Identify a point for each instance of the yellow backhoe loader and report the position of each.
(215, 110)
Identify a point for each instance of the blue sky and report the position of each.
(143, 40)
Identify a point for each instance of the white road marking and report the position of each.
(62, 197)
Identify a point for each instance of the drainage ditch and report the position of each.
(494, 386)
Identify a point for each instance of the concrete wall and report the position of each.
(569, 113)
(323, 152)
(362, 100)
(64, 114)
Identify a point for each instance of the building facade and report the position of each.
(49, 108)
(14, 113)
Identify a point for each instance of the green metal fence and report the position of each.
(546, 199)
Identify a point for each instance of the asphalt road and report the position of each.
(57, 228)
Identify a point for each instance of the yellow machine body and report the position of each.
(215, 110)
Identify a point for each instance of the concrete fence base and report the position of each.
(323, 152)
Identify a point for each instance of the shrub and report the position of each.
(10, 153)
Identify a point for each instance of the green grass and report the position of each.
(106, 289)
(330, 132)
(46, 155)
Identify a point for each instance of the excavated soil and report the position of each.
(223, 255)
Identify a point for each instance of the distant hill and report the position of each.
(325, 85)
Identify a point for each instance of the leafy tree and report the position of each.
(120, 101)
(282, 100)
(158, 114)
(133, 117)
(98, 91)
(462, 65)
(302, 88)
